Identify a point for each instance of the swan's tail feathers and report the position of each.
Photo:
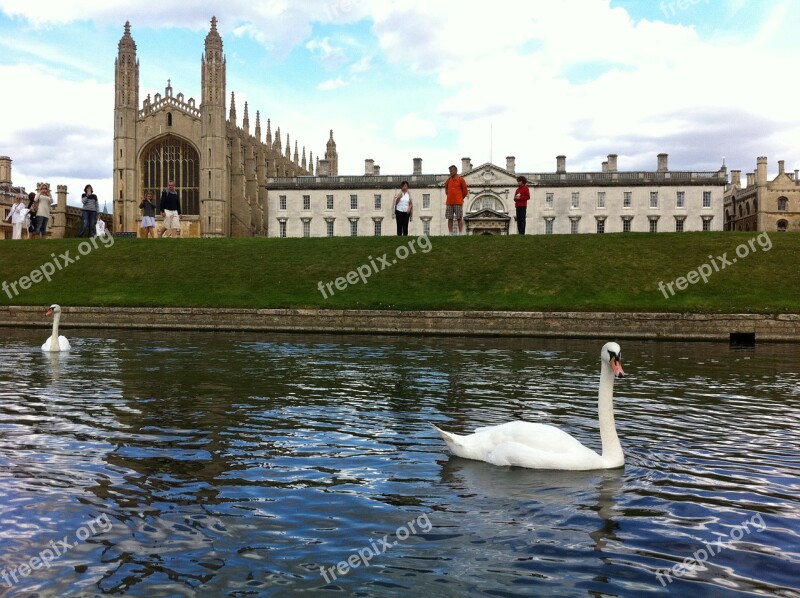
(452, 440)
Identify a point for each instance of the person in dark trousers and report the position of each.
(403, 207)
(521, 197)
(89, 212)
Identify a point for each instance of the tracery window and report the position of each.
(171, 158)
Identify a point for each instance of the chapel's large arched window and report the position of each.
(172, 158)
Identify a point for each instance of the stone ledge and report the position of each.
(664, 326)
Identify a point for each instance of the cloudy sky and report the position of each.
(395, 80)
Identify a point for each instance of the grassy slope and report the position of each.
(561, 272)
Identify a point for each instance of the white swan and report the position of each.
(541, 446)
(55, 342)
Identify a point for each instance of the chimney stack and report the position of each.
(376, 170)
(561, 164)
(736, 178)
(751, 179)
(465, 165)
(604, 165)
(369, 166)
(663, 165)
(417, 165)
(511, 163)
(612, 162)
(5, 170)
(761, 170)
(780, 166)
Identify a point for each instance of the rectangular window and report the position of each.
(306, 202)
(626, 225)
(426, 201)
(548, 203)
(680, 201)
(626, 199)
(281, 202)
(573, 226)
(654, 199)
(706, 199)
(354, 228)
(601, 199)
(306, 228)
(354, 202)
(329, 227)
(576, 199)
(377, 228)
(426, 227)
(679, 225)
(378, 203)
(282, 228)
(654, 225)
(706, 223)
(601, 226)
(329, 202)
(548, 227)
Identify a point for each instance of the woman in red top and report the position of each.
(521, 198)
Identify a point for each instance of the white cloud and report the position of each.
(332, 84)
(412, 126)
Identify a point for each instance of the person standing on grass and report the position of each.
(455, 189)
(170, 208)
(89, 212)
(148, 209)
(17, 217)
(43, 200)
(30, 217)
(403, 207)
(521, 197)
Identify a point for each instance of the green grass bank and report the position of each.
(619, 272)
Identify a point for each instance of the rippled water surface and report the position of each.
(200, 464)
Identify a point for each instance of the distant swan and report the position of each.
(541, 446)
(55, 342)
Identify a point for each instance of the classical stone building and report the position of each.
(763, 204)
(604, 201)
(219, 168)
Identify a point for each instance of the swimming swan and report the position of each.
(55, 342)
(541, 446)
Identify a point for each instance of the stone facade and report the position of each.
(219, 167)
(763, 205)
(561, 202)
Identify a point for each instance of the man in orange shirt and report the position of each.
(455, 189)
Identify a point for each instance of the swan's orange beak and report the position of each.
(616, 368)
(49, 312)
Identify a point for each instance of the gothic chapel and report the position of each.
(220, 169)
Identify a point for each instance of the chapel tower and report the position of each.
(126, 103)
(214, 209)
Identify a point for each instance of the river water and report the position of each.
(225, 464)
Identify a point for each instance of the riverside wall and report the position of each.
(657, 326)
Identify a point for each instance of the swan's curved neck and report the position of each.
(612, 449)
(54, 337)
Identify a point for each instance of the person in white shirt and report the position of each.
(403, 206)
(17, 217)
(43, 212)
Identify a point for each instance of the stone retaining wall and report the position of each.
(717, 327)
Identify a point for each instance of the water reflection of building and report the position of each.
(763, 204)
(65, 221)
(561, 202)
